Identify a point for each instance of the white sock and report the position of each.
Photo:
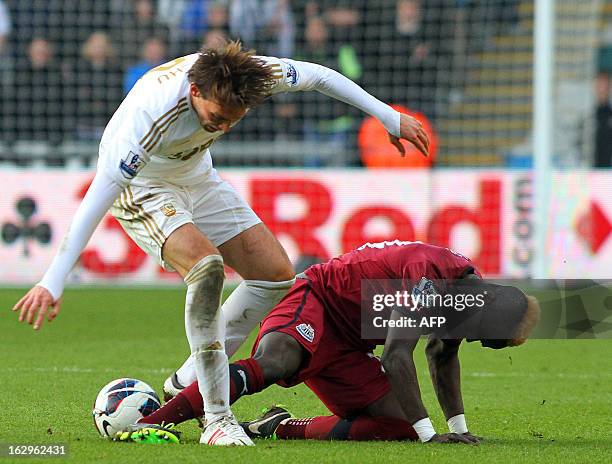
(248, 304)
(186, 374)
(205, 327)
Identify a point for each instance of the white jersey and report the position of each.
(155, 133)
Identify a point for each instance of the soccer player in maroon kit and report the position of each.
(314, 336)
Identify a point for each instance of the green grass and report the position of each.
(548, 401)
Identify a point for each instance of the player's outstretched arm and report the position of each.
(302, 75)
(44, 298)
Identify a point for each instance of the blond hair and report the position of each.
(528, 323)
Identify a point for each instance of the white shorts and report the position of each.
(150, 210)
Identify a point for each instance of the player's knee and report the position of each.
(185, 248)
(191, 256)
(207, 268)
(283, 272)
(279, 356)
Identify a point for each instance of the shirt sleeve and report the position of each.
(459, 266)
(99, 198)
(293, 76)
(127, 141)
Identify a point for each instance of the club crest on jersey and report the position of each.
(306, 331)
(130, 165)
(292, 76)
(422, 291)
(168, 209)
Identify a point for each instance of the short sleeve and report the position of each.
(457, 266)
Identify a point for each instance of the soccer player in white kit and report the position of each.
(155, 174)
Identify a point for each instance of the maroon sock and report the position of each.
(362, 428)
(366, 428)
(178, 409)
(188, 404)
(246, 378)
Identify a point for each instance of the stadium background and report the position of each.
(321, 174)
(323, 178)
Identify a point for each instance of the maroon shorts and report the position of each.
(345, 379)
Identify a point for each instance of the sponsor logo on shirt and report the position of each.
(130, 165)
(306, 331)
(292, 76)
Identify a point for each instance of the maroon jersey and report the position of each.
(337, 283)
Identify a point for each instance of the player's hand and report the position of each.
(451, 438)
(412, 130)
(35, 304)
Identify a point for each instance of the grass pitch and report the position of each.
(547, 401)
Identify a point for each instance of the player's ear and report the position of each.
(526, 326)
(194, 91)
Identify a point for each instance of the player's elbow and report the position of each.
(321, 77)
(438, 350)
(394, 360)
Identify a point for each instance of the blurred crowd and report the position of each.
(66, 64)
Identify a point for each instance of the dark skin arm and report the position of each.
(398, 363)
(445, 372)
(399, 366)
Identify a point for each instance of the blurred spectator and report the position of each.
(153, 54)
(604, 52)
(95, 87)
(190, 20)
(266, 25)
(405, 68)
(66, 23)
(137, 25)
(194, 23)
(346, 19)
(218, 16)
(326, 120)
(5, 27)
(169, 13)
(214, 38)
(603, 130)
(484, 20)
(341, 14)
(37, 112)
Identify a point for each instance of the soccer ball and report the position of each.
(123, 402)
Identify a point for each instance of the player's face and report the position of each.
(214, 117)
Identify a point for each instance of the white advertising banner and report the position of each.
(484, 214)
